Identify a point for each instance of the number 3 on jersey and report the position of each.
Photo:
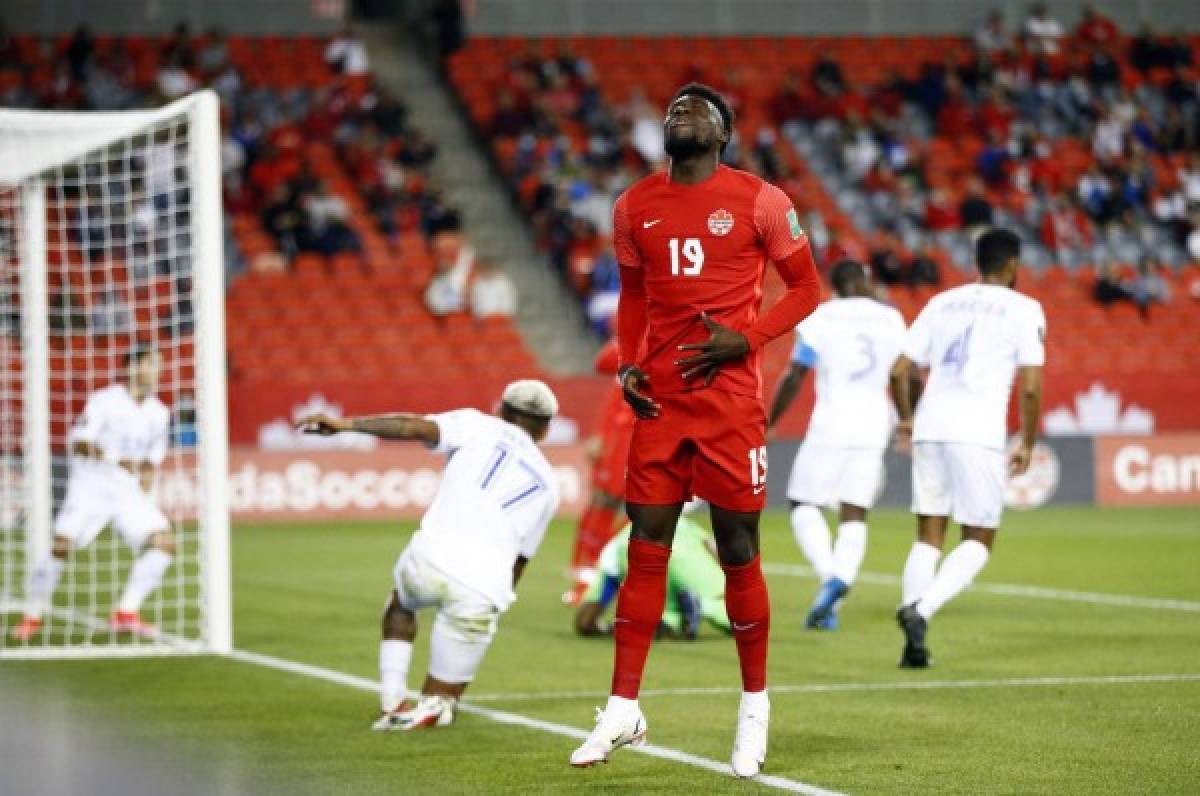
(692, 251)
(758, 468)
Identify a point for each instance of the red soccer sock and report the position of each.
(749, 610)
(639, 609)
(595, 529)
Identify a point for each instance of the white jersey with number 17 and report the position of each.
(498, 493)
(851, 343)
(973, 338)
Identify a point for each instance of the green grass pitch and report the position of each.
(313, 593)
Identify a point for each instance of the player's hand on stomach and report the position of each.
(323, 425)
(1018, 460)
(632, 378)
(723, 344)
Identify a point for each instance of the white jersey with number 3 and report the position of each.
(498, 493)
(852, 343)
(973, 338)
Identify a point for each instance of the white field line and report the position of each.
(832, 688)
(1016, 590)
(515, 719)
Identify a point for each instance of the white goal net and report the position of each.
(111, 242)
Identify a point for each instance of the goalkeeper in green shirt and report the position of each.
(695, 585)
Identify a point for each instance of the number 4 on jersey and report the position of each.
(692, 251)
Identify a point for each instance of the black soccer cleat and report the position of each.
(916, 654)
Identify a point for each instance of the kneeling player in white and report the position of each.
(852, 342)
(117, 445)
(972, 339)
(497, 495)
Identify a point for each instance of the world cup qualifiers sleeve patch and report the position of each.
(794, 224)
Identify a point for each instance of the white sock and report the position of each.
(146, 575)
(812, 534)
(620, 706)
(955, 574)
(756, 702)
(42, 585)
(394, 658)
(918, 572)
(849, 549)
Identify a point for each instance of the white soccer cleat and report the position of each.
(431, 710)
(750, 745)
(390, 718)
(610, 734)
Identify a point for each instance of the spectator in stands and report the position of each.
(492, 292)
(941, 214)
(1066, 231)
(454, 261)
(924, 269)
(346, 53)
(992, 36)
(1097, 195)
(283, 218)
(179, 47)
(437, 214)
(886, 262)
(605, 288)
(646, 130)
(79, 53)
(213, 57)
(448, 17)
(1110, 288)
(509, 119)
(174, 80)
(1145, 52)
(1170, 209)
(789, 104)
(975, 211)
(826, 77)
(110, 314)
(993, 162)
(1102, 70)
(955, 117)
(1096, 30)
(1043, 33)
(327, 215)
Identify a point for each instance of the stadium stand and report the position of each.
(333, 229)
(894, 149)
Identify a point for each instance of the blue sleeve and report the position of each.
(609, 590)
(804, 354)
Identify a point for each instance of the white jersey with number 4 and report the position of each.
(851, 343)
(973, 338)
(497, 496)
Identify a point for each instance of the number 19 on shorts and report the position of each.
(758, 468)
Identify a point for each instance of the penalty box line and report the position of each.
(528, 722)
(1015, 590)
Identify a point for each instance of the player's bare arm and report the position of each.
(904, 399)
(1029, 379)
(789, 387)
(400, 426)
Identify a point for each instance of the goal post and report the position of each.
(111, 236)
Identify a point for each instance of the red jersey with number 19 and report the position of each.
(703, 248)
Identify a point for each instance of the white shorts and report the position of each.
(967, 480)
(469, 615)
(824, 475)
(98, 497)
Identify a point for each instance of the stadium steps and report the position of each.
(550, 319)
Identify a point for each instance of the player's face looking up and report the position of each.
(693, 127)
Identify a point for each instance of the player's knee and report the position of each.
(471, 628)
(737, 549)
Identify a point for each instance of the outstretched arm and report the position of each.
(402, 426)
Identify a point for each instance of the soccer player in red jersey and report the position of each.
(599, 521)
(693, 243)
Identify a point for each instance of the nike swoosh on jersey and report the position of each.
(648, 224)
(759, 489)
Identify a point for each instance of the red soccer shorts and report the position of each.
(706, 443)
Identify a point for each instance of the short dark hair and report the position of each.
(995, 248)
(846, 273)
(712, 95)
(137, 352)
